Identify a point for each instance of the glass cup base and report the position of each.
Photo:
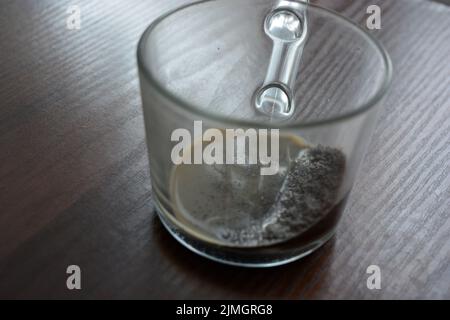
(251, 258)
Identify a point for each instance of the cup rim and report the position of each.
(186, 106)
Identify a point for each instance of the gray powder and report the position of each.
(308, 193)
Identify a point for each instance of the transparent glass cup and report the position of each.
(202, 68)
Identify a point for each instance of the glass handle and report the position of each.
(287, 26)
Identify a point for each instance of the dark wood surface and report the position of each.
(75, 187)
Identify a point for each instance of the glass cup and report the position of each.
(242, 174)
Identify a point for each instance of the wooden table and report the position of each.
(75, 186)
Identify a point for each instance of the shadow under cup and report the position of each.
(200, 67)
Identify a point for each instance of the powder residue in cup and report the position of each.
(308, 192)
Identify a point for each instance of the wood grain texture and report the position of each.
(75, 188)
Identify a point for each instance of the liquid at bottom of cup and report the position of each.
(269, 256)
(211, 199)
